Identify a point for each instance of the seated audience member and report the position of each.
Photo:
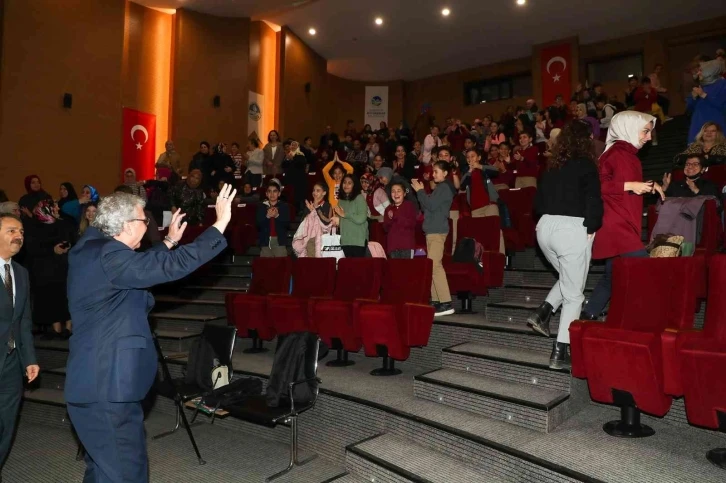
(88, 195)
(399, 222)
(542, 129)
(170, 158)
(417, 152)
(34, 193)
(693, 184)
(47, 242)
(254, 162)
(375, 165)
(333, 173)
(189, 197)
(527, 162)
(9, 208)
(633, 85)
(309, 152)
(646, 100)
(351, 215)
(376, 197)
(130, 180)
(360, 157)
(495, 138)
(594, 123)
(403, 164)
(605, 111)
(247, 195)
(493, 155)
(347, 144)
(68, 193)
(431, 141)
(435, 208)
(709, 143)
(158, 196)
(88, 214)
(273, 221)
(707, 101)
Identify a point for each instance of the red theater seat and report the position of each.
(702, 362)
(622, 358)
(520, 202)
(311, 277)
(248, 312)
(403, 318)
(335, 320)
(464, 278)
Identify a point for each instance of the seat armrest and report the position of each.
(414, 322)
(671, 342)
(292, 385)
(577, 332)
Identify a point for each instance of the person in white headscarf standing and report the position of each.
(622, 189)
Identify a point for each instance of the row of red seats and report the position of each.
(647, 351)
(380, 305)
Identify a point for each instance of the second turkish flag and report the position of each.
(556, 64)
(139, 143)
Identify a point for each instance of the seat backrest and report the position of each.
(407, 281)
(222, 339)
(714, 326)
(717, 174)
(359, 278)
(313, 277)
(270, 275)
(519, 200)
(296, 359)
(244, 213)
(653, 294)
(484, 230)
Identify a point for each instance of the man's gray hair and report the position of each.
(114, 210)
(7, 207)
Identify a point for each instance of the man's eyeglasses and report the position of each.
(145, 220)
(693, 165)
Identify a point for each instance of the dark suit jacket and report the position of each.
(112, 355)
(20, 318)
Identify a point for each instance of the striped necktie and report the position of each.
(9, 290)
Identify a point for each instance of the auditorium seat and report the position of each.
(622, 358)
(335, 319)
(520, 202)
(191, 233)
(377, 234)
(701, 357)
(465, 279)
(711, 228)
(311, 277)
(248, 312)
(403, 318)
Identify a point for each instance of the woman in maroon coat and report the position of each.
(622, 187)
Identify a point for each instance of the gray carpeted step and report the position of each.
(213, 292)
(53, 378)
(230, 268)
(542, 277)
(516, 365)
(389, 458)
(183, 322)
(536, 293)
(51, 353)
(521, 404)
(347, 478)
(515, 312)
(189, 304)
(45, 406)
(217, 280)
(176, 340)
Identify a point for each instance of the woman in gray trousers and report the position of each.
(568, 198)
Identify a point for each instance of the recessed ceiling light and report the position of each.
(312, 31)
(521, 2)
(630, 76)
(445, 12)
(379, 21)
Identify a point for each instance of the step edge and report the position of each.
(492, 395)
(393, 468)
(533, 365)
(513, 330)
(336, 477)
(38, 400)
(173, 316)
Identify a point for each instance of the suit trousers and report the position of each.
(435, 251)
(115, 441)
(11, 390)
(564, 242)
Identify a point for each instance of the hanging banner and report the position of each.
(556, 73)
(376, 108)
(255, 120)
(138, 143)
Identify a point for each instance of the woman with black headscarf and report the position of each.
(67, 193)
(34, 193)
(222, 167)
(47, 242)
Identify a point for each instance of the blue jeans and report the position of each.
(601, 295)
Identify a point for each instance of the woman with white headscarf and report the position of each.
(708, 99)
(622, 187)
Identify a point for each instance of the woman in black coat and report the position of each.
(295, 166)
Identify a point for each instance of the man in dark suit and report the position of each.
(112, 360)
(17, 355)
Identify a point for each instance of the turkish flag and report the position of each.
(556, 64)
(139, 143)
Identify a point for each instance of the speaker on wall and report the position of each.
(307, 87)
(217, 101)
(67, 100)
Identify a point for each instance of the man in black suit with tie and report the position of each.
(17, 355)
(112, 359)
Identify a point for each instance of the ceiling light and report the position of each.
(630, 76)
(521, 2)
(379, 21)
(312, 31)
(445, 12)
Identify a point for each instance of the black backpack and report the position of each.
(468, 250)
(202, 360)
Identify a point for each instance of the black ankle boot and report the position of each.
(585, 316)
(560, 358)
(540, 319)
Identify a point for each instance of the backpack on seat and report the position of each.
(203, 367)
(468, 250)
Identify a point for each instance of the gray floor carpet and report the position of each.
(43, 454)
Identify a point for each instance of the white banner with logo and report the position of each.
(254, 114)
(376, 108)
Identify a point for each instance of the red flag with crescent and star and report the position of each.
(556, 73)
(138, 143)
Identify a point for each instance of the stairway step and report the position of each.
(184, 322)
(214, 292)
(536, 293)
(231, 269)
(171, 299)
(45, 406)
(516, 312)
(543, 277)
(190, 305)
(391, 458)
(476, 328)
(52, 397)
(347, 478)
(176, 340)
(521, 404)
(54, 378)
(522, 366)
(51, 353)
(221, 280)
